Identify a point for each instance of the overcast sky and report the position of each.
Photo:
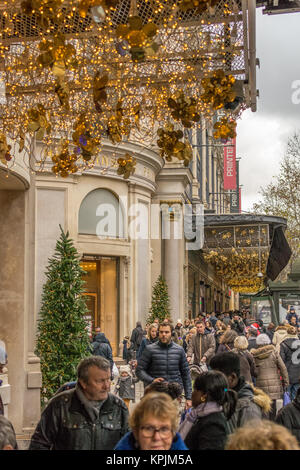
(262, 136)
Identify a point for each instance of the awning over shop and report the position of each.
(246, 250)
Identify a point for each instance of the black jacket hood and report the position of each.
(101, 338)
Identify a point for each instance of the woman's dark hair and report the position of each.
(161, 387)
(215, 385)
(173, 389)
(227, 362)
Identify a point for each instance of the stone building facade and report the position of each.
(122, 258)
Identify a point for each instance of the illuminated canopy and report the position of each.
(241, 248)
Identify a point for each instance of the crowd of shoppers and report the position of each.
(241, 370)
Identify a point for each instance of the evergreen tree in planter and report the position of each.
(160, 304)
(62, 334)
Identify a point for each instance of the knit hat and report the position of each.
(263, 340)
(179, 321)
(125, 368)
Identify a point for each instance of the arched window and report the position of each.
(101, 214)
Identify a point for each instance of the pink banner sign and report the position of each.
(230, 164)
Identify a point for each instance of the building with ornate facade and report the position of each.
(117, 226)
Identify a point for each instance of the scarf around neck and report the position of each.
(204, 409)
(92, 407)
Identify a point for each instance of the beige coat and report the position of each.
(202, 345)
(280, 335)
(270, 367)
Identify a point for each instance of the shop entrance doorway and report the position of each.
(102, 295)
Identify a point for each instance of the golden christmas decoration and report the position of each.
(184, 109)
(138, 37)
(64, 163)
(225, 129)
(186, 154)
(5, 149)
(170, 144)
(86, 144)
(38, 121)
(59, 55)
(218, 89)
(45, 11)
(199, 5)
(126, 165)
(63, 93)
(118, 125)
(239, 268)
(85, 5)
(99, 93)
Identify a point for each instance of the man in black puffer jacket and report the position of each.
(165, 360)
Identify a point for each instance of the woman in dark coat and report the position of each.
(205, 426)
(152, 337)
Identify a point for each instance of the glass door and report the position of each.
(102, 296)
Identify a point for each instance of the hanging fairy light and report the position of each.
(88, 56)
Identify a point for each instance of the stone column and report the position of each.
(231, 300)
(172, 182)
(174, 272)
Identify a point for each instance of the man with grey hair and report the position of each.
(87, 417)
(8, 439)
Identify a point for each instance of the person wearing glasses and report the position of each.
(153, 423)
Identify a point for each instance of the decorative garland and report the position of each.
(5, 149)
(170, 144)
(138, 37)
(126, 165)
(225, 129)
(64, 162)
(184, 109)
(218, 89)
(37, 121)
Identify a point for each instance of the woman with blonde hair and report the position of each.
(188, 338)
(262, 435)
(151, 337)
(227, 341)
(247, 363)
(153, 423)
(220, 328)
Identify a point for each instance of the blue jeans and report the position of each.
(292, 389)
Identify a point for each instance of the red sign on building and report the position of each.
(230, 164)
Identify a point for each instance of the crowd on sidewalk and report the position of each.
(211, 383)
